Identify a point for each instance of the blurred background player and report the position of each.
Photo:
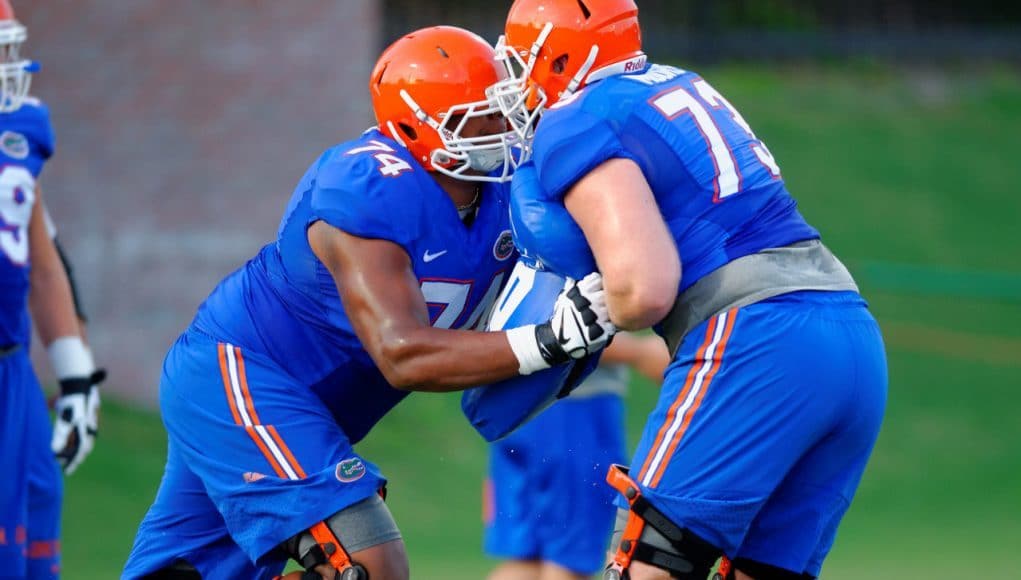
(773, 402)
(33, 278)
(548, 510)
(389, 244)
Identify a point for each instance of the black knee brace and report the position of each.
(763, 571)
(319, 545)
(179, 570)
(687, 557)
(349, 574)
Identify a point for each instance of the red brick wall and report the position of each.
(182, 127)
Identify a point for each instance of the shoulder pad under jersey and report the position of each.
(372, 188)
(569, 142)
(27, 132)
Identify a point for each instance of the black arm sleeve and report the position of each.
(79, 310)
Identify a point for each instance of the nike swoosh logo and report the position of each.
(562, 338)
(427, 257)
(560, 335)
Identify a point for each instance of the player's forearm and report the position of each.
(51, 303)
(79, 309)
(635, 305)
(437, 360)
(49, 295)
(640, 281)
(646, 354)
(616, 209)
(624, 350)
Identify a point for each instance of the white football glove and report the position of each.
(580, 326)
(77, 420)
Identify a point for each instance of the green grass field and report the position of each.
(897, 168)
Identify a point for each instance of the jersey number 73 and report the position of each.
(681, 101)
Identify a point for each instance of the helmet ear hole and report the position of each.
(408, 131)
(560, 64)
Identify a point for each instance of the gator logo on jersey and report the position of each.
(504, 246)
(14, 144)
(350, 470)
(253, 476)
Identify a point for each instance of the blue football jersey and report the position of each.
(26, 142)
(285, 303)
(717, 185)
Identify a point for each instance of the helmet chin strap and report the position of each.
(420, 114)
(579, 76)
(636, 63)
(395, 134)
(533, 53)
(485, 160)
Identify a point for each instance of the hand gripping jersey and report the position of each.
(26, 142)
(538, 278)
(719, 207)
(284, 302)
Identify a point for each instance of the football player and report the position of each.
(391, 251)
(547, 509)
(777, 388)
(33, 281)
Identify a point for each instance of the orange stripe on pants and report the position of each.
(221, 351)
(709, 332)
(243, 382)
(246, 396)
(717, 360)
(287, 452)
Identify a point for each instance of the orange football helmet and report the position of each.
(427, 86)
(15, 72)
(552, 48)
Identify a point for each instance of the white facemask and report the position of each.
(500, 153)
(15, 72)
